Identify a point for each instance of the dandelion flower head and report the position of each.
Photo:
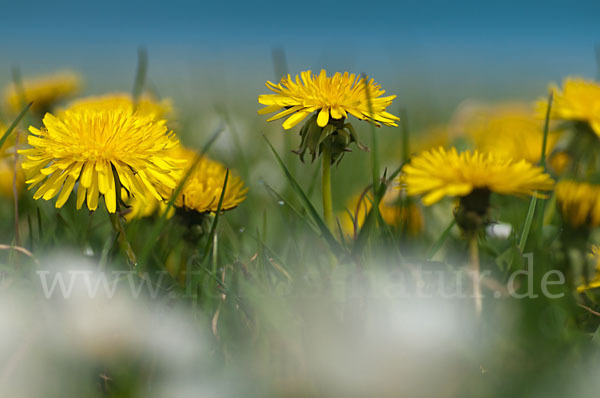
(93, 147)
(332, 97)
(204, 186)
(439, 172)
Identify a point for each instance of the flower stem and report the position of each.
(326, 187)
(474, 271)
(117, 224)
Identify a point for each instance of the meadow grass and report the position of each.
(286, 304)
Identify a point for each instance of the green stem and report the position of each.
(326, 188)
(117, 224)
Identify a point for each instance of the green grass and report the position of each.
(286, 306)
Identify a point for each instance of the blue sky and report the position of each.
(462, 47)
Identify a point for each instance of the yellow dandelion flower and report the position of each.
(438, 173)
(579, 202)
(201, 191)
(203, 188)
(44, 91)
(333, 97)
(144, 207)
(89, 146)
(392, 213)
(578, 101)
(146, 105)
(512, 132)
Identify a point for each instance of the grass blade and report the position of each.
(374, 151)
(325, 232)
(213, 227)
(292, 208)
(527, 225)
(160, 223)
(440, 242)
(14, 124)
(279, 62)
(543, 161)
(140, 74)
(365, 231)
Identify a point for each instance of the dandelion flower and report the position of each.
(201, 191)
(438, 173)
(512, 132)
(90, 147)
(578, 101)
(472, 176)
(330, 100)
(203, 188)
(146, 105)
(44, 91)
(579, 202)
(143, 207)
(333, 97)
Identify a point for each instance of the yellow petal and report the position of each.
(92, 193)
(66, 191)
(294, 119)
(110, 197)
(323, 117)
(86, 174)
(81, 191)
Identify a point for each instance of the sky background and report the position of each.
(434, 52)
